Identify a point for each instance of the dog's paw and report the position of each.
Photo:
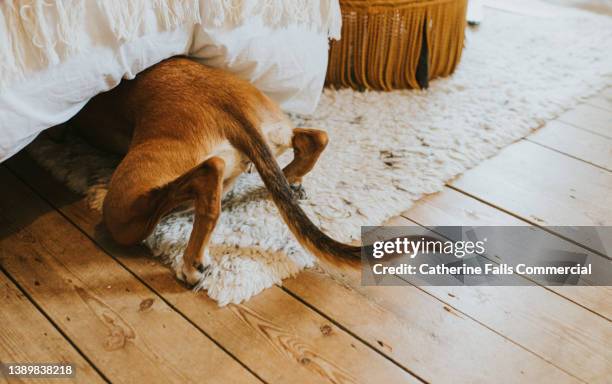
(299, 193)
(192, 274)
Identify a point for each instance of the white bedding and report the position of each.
(286, 60)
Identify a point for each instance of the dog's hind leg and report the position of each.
(208, 190)
(136, 201)
(308, 144)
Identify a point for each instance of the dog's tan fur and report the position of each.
(188, 131)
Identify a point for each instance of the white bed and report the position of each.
(55, 56)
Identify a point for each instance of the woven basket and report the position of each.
(395, 44)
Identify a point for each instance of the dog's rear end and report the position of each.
(188, 131)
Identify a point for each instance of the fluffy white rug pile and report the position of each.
(386, 149)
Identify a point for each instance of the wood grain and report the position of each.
(542, 186)
(403, 323)
(557, 330)
(453, 208)
(535, 317)
(120, 325)
(442, 344)
(575, 142)
(27, 337)
(590, 118)
(275, 335)
(410, 327)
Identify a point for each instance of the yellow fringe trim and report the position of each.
(382, 40)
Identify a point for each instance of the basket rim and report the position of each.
(373, 5)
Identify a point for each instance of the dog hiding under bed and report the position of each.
(187, 132)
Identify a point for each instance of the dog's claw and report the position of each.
(299, 193)
(192, 275)
(201, 268)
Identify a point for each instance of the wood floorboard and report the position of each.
(535, 310)
(384, 330)
(575, 142)
(590, 118)
(27, 336)
(275, 335)
(523, 314)
(545, 188)
(120, 325)
(453, 208)
(413, 326)
(127, 315)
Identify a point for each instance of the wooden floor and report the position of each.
(70, 294)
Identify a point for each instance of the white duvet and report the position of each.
(55, 56)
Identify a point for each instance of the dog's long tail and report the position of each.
(253, 145)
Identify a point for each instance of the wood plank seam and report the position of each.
(567, 154)
(576, 142)
(526, 278)
(118, 261)
(314, 308)
(606, 108)
(75, 216)
(526, 220)
(482, 323)
(543, 296)
(499, 333)
(201, 330)
(597, 107)
(345, 329)
(454, 208)
(487, 326)
(128, 270)
(370, 346)
(53, 323)
(351, 332)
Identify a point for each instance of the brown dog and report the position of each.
(188, 131)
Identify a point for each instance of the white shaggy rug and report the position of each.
(386, 149)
